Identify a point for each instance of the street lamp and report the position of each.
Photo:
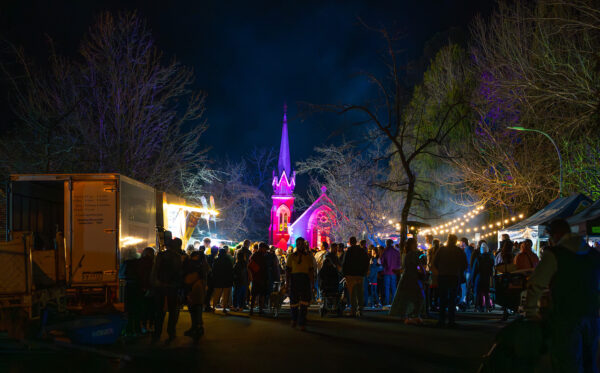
(555, 147)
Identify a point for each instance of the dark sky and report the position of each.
(251, 56)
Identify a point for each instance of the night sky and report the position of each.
(250, 57)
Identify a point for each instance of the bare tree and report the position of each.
(407, 127)
(116, 108)
(537, 66)
(351, 179)
(261, 163)
(237, 201)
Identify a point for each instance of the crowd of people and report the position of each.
(428, 277)
(410, 281)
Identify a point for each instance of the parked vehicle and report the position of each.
(97, 216)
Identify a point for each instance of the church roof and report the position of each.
(322, 200)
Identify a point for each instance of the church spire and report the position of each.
(284, 149)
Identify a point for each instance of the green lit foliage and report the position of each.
(537, 66)
(440, 102)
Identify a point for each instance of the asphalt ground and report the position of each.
(238, 342)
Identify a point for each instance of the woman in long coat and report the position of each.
(410, 288)
(483, 270)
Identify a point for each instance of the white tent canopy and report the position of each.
(587, 222)
(534, 228)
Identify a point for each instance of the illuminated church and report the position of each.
(316, 224)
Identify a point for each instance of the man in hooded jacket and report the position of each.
(572, 271)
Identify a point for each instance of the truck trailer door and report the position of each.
(94, 232)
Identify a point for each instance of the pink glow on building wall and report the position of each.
(316, 224)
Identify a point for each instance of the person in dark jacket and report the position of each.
(572, 271)
(195, 272)
(240, 281)
(133, 292)
(211, 255)
(257, 267)
(222, 279)
(355, 266)
(145, 275)
(272, 269)
(450, 263)
(167, 277)
(374, 270)
(245, 250)
(483, 271)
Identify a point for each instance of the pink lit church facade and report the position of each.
(316, 224)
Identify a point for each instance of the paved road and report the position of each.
(239, 343)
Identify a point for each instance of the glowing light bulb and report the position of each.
(520, 216)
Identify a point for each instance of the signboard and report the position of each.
(93, 210)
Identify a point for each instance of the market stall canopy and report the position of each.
(534, 226)
(587, 222)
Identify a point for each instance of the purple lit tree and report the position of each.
(117, 107)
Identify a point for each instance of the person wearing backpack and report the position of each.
(572, 271)
(167, 277)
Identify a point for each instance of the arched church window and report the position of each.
(283, 217)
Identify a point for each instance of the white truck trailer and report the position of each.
(99, 215)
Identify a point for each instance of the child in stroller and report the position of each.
(329, 284)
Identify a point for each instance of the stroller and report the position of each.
(329, 284)
(509, 289)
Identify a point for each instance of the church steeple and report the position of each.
(284, 149)
(283, 192)
(284, 181)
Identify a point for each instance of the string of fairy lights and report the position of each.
(460, 225)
